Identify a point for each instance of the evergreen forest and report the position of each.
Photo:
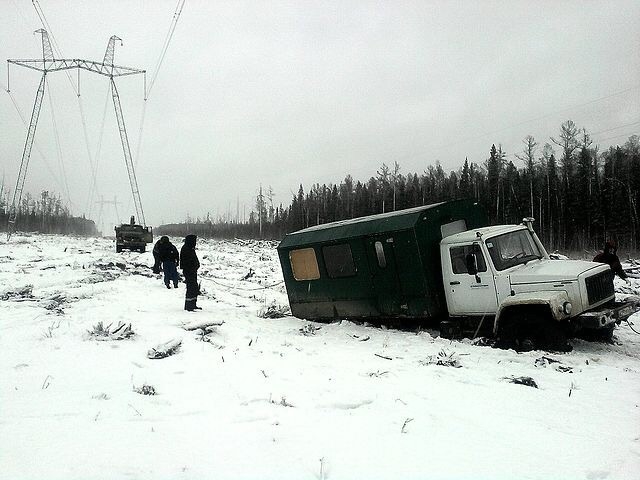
(578, 194)
(46, 214)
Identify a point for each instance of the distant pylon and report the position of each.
(50, 64)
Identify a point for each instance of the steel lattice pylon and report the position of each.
(51, 64)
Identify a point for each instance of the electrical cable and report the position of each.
(35, 144)
(54, 44)
(136, 160)
(167, 41)
(86, 138)
(58, 146)
(616, 136)
(631, 326)
(93, 189)
(550, 114)
(163, 52)
(615, 128)
(231, 287)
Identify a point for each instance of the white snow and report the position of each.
(280, 398)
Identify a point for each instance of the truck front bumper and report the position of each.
(606, 315)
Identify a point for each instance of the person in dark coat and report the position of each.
(190, 264)
(157, 263)
(168, 255)
(609, 256)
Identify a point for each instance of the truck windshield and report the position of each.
(512, 249)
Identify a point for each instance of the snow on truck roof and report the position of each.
(376, 224)
(471, 235)
(353, 227)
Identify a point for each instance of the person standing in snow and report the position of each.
(190, 264)
(156, 256)
(168, 255)
(609, 256)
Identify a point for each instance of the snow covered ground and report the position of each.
(280, 398)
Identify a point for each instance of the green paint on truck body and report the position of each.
(407, 285)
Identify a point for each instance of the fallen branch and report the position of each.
(528, 381)
(404, 425)
(382, 356)
(201, 324)
(164, 349)
(121, 332)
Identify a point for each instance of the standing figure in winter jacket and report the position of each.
(157, 263)
(168, 255)
(609, 256)
(190, 264)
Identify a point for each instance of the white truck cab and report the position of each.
(504, 273)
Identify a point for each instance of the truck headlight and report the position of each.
(567, 307)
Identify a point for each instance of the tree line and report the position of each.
(579, 195)
(45, 214)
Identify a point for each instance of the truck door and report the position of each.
(384, 273)
(469, 294)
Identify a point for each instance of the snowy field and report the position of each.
(280, 398)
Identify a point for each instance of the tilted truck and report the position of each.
(443, 262)
(131, 236)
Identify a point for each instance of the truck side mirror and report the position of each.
(472, 263)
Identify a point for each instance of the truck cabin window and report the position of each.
(339, 260)
(513, 248)
(459, 255)
(304, 264)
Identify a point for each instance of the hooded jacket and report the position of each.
(165, 250)
(609, 256)
(188, 259)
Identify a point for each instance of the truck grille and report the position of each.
(599, 286)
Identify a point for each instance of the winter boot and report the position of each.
(195, 306)
(168, 286)
(190, 305)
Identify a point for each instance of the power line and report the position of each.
(45, 23)
(617, 136)
(54, 43)
(42, 156)
(167, 41)
(163, 52)
(542, 117)
(616, 128)
(58, 145)
(93, 189)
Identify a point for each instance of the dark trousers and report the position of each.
(170, 272)
(193, 290)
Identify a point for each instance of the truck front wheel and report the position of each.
(533, 327)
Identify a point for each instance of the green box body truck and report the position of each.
(443, 262)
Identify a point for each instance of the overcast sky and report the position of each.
(284, 93)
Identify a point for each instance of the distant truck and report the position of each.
(443, 262)
(130, 236)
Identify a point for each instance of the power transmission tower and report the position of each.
(51, 64)
(104, 202)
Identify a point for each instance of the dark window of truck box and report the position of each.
(338, 260)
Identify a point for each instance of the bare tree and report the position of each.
(394, 181)
(383, 182)
(529, 157)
